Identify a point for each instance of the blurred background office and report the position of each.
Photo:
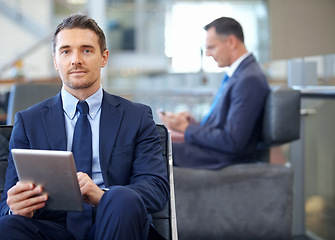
(157, 57)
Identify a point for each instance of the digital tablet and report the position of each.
(55, 171)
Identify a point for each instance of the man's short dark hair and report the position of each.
(82, 22)
(227, 26)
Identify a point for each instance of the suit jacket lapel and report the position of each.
(54, 125)
(248, 60)
(110, 121)
(232, 80)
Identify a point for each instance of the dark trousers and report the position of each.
(121, 214)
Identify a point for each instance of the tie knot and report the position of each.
(225, 78)
(82, 107)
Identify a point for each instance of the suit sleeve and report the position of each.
(18, 137)
(245, 102)
(149, 173)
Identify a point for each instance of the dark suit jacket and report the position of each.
(130, 152)
(230, 134)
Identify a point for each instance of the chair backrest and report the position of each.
(5, 133)
(281, 121)
(165, 220)
(24, 95)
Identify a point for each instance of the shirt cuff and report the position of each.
(9, 212)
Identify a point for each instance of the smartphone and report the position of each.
(161, 110)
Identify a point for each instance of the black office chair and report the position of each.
(243, 201)
(5, 132)
(24, 95)
(164, 221)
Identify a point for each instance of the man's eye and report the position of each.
(65, 52)
(87, 51)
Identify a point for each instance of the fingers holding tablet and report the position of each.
(25, 198)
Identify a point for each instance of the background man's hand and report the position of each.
(25, 198)
(176, 122)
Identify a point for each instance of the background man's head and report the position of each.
(82, 22)
(224, 41)
(226, 26)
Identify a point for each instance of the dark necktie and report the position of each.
(82, 140)
(216, 99)
(80, 223)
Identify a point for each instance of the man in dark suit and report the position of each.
(127, 179)
(229, 132)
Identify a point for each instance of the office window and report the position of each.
(185, 36)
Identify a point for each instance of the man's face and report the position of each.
(218, 48)
(78, 58)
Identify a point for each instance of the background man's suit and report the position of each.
(130, 153)
(231, 132)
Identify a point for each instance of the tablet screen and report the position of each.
(55, 171)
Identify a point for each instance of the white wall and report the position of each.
(15, 39)
(301, 28)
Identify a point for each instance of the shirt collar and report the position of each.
(234, 66)
(70, 103)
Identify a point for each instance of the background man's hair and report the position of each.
(82, 22)
(227, 26)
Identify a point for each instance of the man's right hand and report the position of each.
(25, 198)
(176, 122)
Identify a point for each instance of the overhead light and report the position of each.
(77, 2)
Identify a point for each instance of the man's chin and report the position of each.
(77, 86)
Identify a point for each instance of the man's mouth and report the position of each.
(77, 72)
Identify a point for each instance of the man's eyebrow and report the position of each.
(63, 47)
(68, 46)
(87, 46)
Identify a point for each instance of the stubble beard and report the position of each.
(80, 85)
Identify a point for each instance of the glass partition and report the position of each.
(319, 165)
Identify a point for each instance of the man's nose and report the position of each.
(76, 59)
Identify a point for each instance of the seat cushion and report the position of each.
(245, 201)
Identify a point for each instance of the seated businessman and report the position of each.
(228, 134)
(122, 175)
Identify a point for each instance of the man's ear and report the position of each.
(233, 41)
(105, 55)
(55, 64)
